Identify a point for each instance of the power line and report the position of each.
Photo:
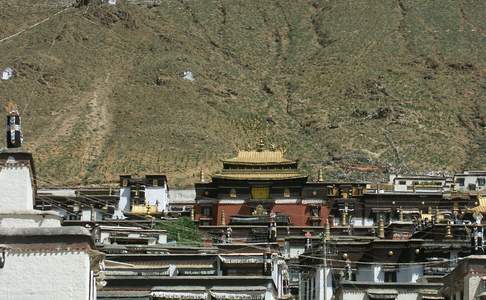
(33, 25)
(380, 263)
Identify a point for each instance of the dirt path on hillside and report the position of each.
(90, 114)
(98, 122)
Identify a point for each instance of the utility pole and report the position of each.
(325, 237)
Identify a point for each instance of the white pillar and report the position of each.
(269, 294)
(320, 282)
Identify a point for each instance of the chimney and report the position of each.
(14, 130)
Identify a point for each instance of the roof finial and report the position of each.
(320, 177)
(260, 145)
(201, 176)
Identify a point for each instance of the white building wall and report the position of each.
(409, 273)
(25, 220)
(471, 285)
(157, 195)
(91, 215)
(354, 296)
(49, 276)
(407, 296)
(295, 251)
(124, 203)
(322, 285)
(16, 191)
(361, 295)
(370, 273)
(162, 238)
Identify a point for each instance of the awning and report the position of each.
(381, 209)
(194, 266)
(242, 259)
(238, 295)
(382, 293)
(411, 211)
(180, 295)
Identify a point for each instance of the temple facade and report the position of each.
(258, 187)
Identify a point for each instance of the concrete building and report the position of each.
(182, 272)
(107, 235)
(39, 258)
(419, 183)
(468, 280)
(142, 196)
(470, 181)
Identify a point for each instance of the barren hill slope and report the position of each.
(349, 86)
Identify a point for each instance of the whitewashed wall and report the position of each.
(25, 220)
(361, 295)
(49, 276)
(410, 273)
(157, 195)
(15, 189)
(471, 285)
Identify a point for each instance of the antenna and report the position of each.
(14, 130)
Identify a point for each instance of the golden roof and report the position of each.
(242, 175)
(481, 208)
(260, 157)
(260, 164)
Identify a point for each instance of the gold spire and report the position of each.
(320, 177)
(201, 176)
(260, 145)
(381, 228)
(327, 233)
(343, 218)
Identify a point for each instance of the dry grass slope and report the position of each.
(350, 86)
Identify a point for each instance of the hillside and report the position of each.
(349, 86)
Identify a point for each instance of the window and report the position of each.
(286, 193)
(390, 276)
(402, 182)
(460, 181)
(471, 187)
(232, 193)
(155, 182)
(481, 181)
(206, 211)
